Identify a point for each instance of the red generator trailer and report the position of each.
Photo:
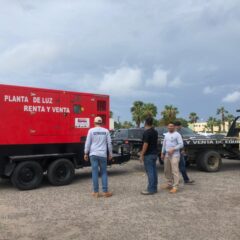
(43, 130)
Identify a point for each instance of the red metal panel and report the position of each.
(34, 115)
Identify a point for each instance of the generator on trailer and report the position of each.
(44, 130)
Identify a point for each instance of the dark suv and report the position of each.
(132, 138)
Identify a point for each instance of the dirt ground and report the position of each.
(208, 210)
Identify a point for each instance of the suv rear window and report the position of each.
(161, 131)
(135, 133)
(122, 134)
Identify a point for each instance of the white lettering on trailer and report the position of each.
(43, 100)
(47, 100)
(28, 108)
(15, 99)
(60, 110)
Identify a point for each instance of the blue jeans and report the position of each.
(182, 168)
(101, 162)
(151, 170)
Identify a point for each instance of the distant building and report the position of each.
(201, 127)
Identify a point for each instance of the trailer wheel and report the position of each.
(210, 161)
(27, 175)
(61, 172)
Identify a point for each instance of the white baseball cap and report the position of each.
(98, 120)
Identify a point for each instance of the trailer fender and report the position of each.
(9, 169)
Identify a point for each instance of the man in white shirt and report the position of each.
(172, 144)
(98, 145)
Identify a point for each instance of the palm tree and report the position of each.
(230, 118)
(219, 125)
(111, 114)
(137, 111)
(222, 111)
(169, 114)
(127, 124)
(193, 117)
(149, 109)
(211, 123)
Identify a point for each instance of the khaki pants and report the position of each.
(171, 170)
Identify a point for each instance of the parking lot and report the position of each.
(208, 210)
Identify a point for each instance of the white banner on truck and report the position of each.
(82, 123)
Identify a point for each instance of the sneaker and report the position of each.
(173, 190)
(190, 182)
(96, 194)
(147, 192)
(107, 194)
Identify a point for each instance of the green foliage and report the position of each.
(222, 112)
(137, 112)
(211, 122)
(183, 121)
(111, 114)
(230, 118)
(219, 125)
(149, 110)
(193, 117)
(140, 111)
(117, 125)
(169, 114)
(127, 124)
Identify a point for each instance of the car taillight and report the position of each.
(126, 142)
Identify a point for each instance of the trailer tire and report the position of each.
(61, 172)
(27, 175)
(210, 161)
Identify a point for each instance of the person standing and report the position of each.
(149, 155)
(98, 146)
(182, 163)
(172, 144)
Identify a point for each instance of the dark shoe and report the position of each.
(190, 182)
(147, 193)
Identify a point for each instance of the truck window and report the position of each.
(77, 109)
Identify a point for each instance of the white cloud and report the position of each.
(27, 57)
(232, 97)
(208, 90)
(123, 81)
(161, 79)
(177, 82)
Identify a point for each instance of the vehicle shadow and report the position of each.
(230, 165)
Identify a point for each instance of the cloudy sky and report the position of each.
(185, 53)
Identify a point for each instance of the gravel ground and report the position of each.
(208, 210)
